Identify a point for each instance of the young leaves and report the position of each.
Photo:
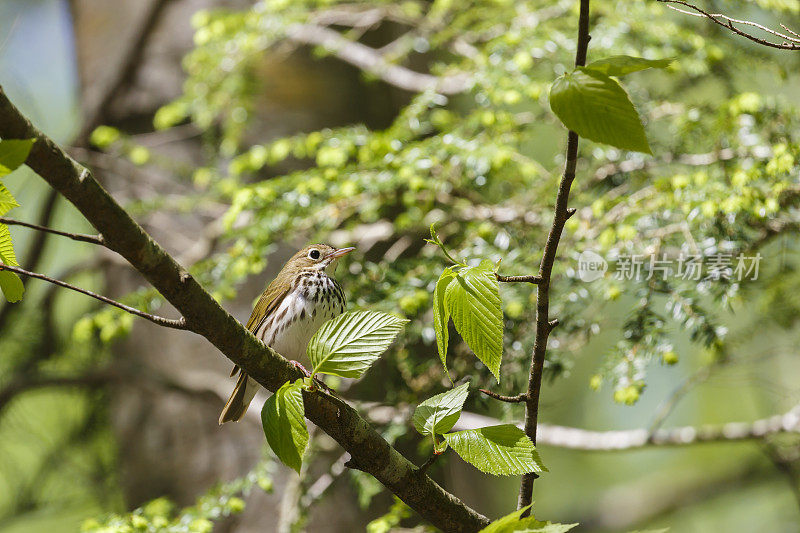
(347, 345)
(512, 523)
(622, 65)
(284, 424)
(10, 283)
(502, 450)
(13, 153)
(472, 299)
(595, 106)
(441, 315)
(438, 414)
(7, 201)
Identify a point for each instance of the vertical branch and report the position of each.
(543, 324)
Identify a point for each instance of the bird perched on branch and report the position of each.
(299, 300)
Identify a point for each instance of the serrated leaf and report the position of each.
(596, 107)
(438, 414)
(347, 345)
(7, 200)
(13, 153)
(441, 315)
(512, 523)
(472, 298)
(621, 65)
(502, 450)
(7, 255)
(284, 424)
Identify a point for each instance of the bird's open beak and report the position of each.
(336, 254)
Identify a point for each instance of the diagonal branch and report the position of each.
(155, 319)
(791, 41)
(82, 237)
(204, 316)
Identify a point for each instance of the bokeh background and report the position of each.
(142, 423)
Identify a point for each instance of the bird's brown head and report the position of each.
(316, 257)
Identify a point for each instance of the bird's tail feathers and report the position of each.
(240, 399)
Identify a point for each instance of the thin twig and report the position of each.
(543, 322)
(519, 398)
(83, 237)
(532, 278)
(161, 321)
(790, 42)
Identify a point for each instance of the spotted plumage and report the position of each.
(299, 300)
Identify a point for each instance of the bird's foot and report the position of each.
(299, 366)
(315, 382)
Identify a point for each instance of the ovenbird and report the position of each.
(299, 300)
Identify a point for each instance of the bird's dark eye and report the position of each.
(314, 254)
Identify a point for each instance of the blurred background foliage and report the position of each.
(234, 136)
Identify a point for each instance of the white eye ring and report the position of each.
(314, 254)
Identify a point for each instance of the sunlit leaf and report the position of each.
(596, 107)
(473, 300)
(284, 424)
(513, 523)
(7, 255)
(13, 153)
(621, 65)
(502, 450)
(7, 200)
(347, 345)
(441, 315)
(439, 413)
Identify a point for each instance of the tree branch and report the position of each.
(791, 42)
(630, 439)
(155, 319)
(543, 325)
(207, 318)
(93, 239)
(369, 60)
(533, 278)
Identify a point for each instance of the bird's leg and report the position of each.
(299, 366)
(316, 380)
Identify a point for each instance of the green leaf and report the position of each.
(347, 345)
(512, 523)
(441, 315)
(7, 255)
(11, 286)
(598, 108)
(7, 200)
(502, 450)
(13, 153)
(472, 298)
(621, 65)
(284, 424)
(438, 414)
